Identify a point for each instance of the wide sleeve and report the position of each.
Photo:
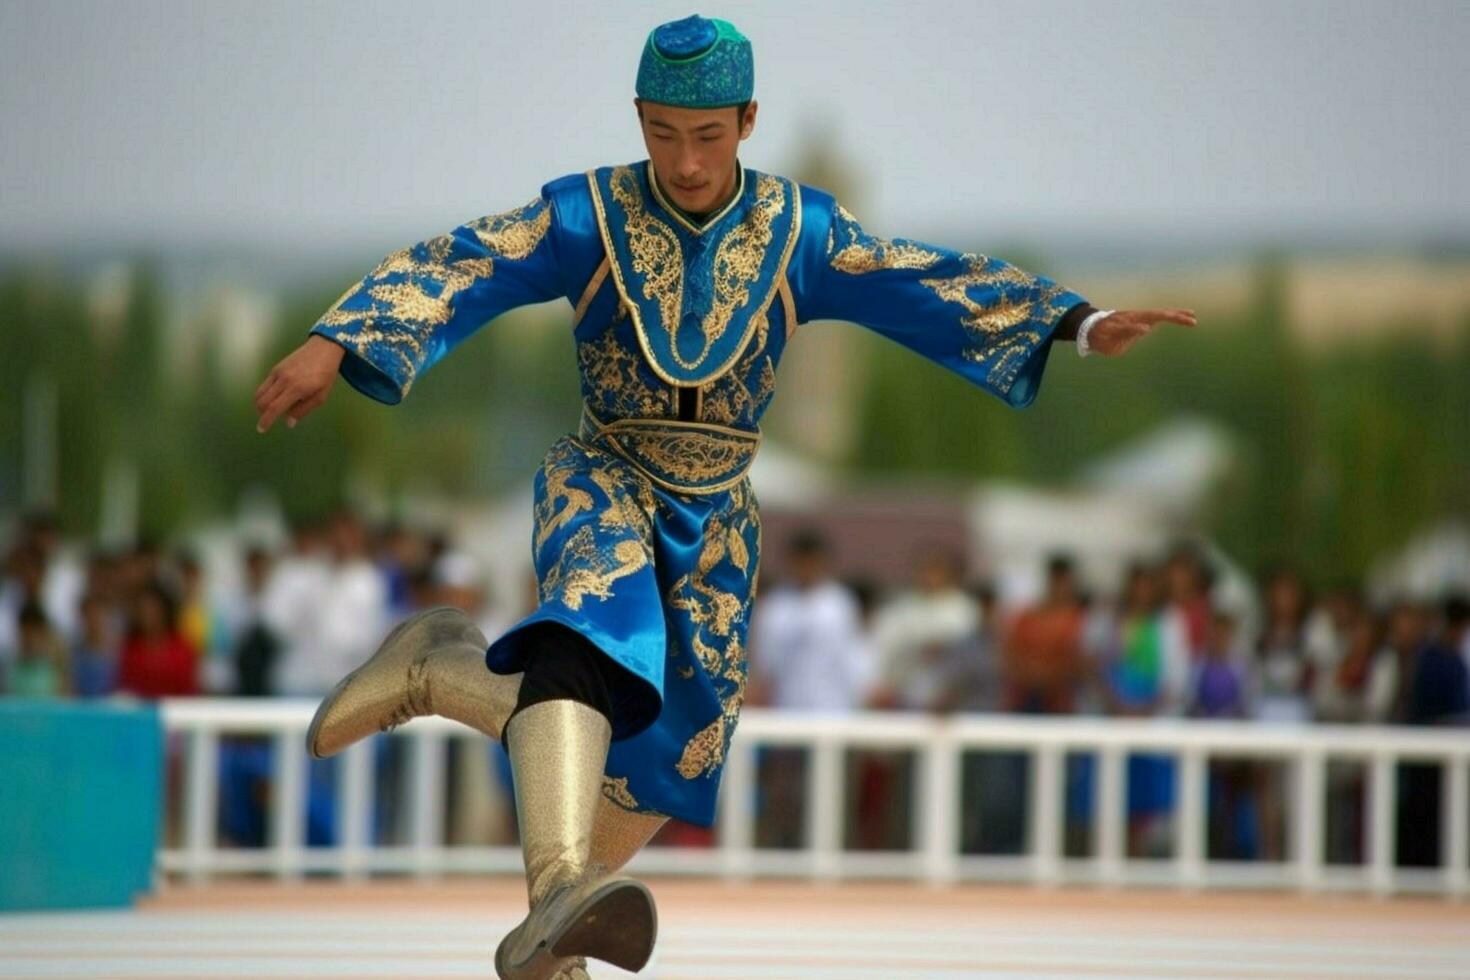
(420, 302)
(981, 317)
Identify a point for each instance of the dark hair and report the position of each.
(1456, 610)
(865, 591)
(157, 590)
(32, 614)
(1194, 554)
(1059, 563)
(807, 541)
(41, 520)
(1136, 571)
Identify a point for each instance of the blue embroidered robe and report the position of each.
(647, 534)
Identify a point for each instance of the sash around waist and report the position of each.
(686, 457)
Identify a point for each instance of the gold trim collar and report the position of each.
(673, 210)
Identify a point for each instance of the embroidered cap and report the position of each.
(697, 63)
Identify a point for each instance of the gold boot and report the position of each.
(557, 753)
(432, 663)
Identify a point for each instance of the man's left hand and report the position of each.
(1114, 334)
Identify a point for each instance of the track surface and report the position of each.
(760, 931)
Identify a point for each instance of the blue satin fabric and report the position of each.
(664, 584)
(661, 581)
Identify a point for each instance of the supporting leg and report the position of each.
(557, 738)
(617, 835)
(557, 753)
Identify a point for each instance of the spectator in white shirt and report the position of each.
(809, 650)
(354, 615)
(296, 591)
(914, 631)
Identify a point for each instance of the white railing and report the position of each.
(937, 743)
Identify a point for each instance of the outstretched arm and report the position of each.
(416, 306)
(979, 316)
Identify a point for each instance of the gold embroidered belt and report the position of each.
(686, 457)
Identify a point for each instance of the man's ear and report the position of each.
(748, 123)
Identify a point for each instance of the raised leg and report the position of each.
(431, 663)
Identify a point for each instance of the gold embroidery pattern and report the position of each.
(630, 506)
(550, 515)
(616, 790)
(657, 255)
(738, 261)
(719, 620)
(691, 461)
(584, 569)
(992, 326)
(704, 751)
(394, 331)
(514, 234)
(855, 252)
(586, 565)
(728, 399)
(615, 377)
(655, 247)
(687, 457)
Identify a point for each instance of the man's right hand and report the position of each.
(299, 383)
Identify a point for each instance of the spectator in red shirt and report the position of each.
(1043, 664)
(157, 661)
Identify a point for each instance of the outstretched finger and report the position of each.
(1185, 317)
(303, 408)
(273, 410)
(268, 390)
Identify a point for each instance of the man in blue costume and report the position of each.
(688, 275)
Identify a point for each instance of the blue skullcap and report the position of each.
(698, 62)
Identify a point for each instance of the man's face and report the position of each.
(808, 567)
(693, 151)
(1062, 587)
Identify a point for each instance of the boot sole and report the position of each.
(617, 923)
(314, 729)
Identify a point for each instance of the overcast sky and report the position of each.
(359, 125)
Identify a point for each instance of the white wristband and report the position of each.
(1082, 348)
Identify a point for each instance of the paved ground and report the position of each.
(758, 931)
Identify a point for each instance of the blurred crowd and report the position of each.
(1161, 647)
(1165, 645)
(148, 622)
